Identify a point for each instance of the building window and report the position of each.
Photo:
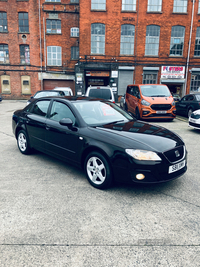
(53, 26)
(128, 5)
(197, 43)
(74, 52)
(4, 55)
(180, 6)
(54, 56)
(3, 22)
(98, 4)
(177, 41)
(154, 5)
(152, 40)
(199, 7)
(24, 54)
(74, 1)
(97, 38)
(23, 22)
(74, 32)
(127, 39)
(52, 0)
(149, 78)
(195, 82)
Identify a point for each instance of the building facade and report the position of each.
(49, 43)
(139, 41)
(39, 45)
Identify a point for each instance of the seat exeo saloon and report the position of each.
(100, 137)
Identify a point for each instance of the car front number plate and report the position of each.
(161, 111)
(192, 120)
(177, 166)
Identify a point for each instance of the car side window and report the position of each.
(41, 108)
(137, 94)
(60, 111)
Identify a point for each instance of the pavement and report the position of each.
(51, 216)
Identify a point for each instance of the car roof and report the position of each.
(73, 98)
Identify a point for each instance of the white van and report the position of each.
(66, 90)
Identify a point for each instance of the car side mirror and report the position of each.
(66, 122)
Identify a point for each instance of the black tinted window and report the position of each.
(41, 108)
(100, 93)
(60, 111)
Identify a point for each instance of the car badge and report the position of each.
(177, 153)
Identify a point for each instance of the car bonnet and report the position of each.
(151, 136)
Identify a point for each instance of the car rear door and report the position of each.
(61, 141)
(36, 124)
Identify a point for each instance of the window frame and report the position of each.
(52, 53)
(25, 28)
(124, 44)
(151, 4)
(57, 23)
(26, 57)
(174, 43)
(147, 79)
(149, 46)
(179, 4)
(98, 5)
(197, 46)
(98, 40)
(74, 32)
(76, 52)
(126, 5)
(4, 54)
(4, 25)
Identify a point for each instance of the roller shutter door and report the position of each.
(125, 78)
(51, 84)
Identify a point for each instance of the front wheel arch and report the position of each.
(98, 170)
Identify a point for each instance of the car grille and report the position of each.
(195, 116)
(175, 154)
(161, 106)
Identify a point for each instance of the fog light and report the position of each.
(140, 176)
(145, 112)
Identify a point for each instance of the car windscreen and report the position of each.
(96, 113)
(44, 94)
(100, 93)
(155, 91)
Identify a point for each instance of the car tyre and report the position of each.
(189, 112)
(23, 143)
(98, 170)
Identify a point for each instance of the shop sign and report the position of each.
(98, 73)
(79, 77)
(173, 72)
(114, 74)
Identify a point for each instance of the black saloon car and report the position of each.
(188, 104)
(100, 137)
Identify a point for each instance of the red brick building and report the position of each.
(48, 43)
(39, 45)
(139, 41)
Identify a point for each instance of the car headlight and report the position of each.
(145, 103)
(143, 154)
(173, 103)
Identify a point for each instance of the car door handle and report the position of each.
(48, 128)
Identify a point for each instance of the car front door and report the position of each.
(182, 105)
(61, 141)
(36, 124)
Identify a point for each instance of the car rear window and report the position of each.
(100, 93)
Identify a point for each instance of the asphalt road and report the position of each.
(51, 216)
